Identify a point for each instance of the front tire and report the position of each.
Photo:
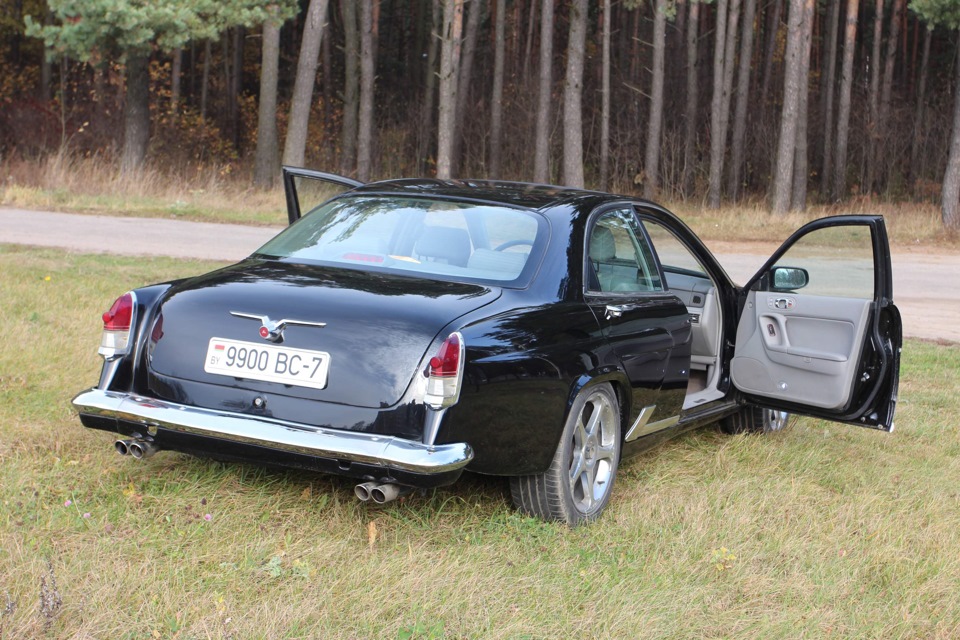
(753, 419)
(577, 486)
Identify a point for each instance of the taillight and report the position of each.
(117, 322)
(445, 373)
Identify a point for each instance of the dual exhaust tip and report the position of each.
(365, 492)
(379, 493)
(139, 449)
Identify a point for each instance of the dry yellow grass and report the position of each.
(210, 193)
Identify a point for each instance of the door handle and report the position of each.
(614, 311)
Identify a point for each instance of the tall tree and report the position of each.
(365, 120)
(720, 116)
(496, 97)
(541, 158)
(798, 200)
(298, 124)
(267, 164)
(743, 98)
(946, 13)
(887, 87)
(773, 30)
(919, 116)
(129, 31)
(573, 97)
(838, 184)
(429, 85)
(827, 91)
(716, 104)
(351, 86)
(792, 85)
(690, 119)
(651, 164)
(873, 98)
(176, 68)
(449, 70)
(469, 48)
(605, 98)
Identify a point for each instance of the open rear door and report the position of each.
(818, 332)
(305, 189)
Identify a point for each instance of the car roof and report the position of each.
(512, 194)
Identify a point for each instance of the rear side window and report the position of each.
(454, 240)
(619, 259)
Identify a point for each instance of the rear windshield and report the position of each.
(453, 240)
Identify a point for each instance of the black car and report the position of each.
(405, 331)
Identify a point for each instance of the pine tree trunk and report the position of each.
(474, 18)
(46, 69)
(267, 163)
(798, 200)
(175, 71)
(827, 91)
(838, 185)
(496, 97)
(136, 113)
(886, 91)
(541, 159)
(651, 164)
(716, 102)
(365, 121)
(605, 100)
(298, 126)
(743, 99)
(786, 145)
(573, 97)
(351, 88)
(873, 126)
(449, 71)
(430, 86)
(950, 195)
(693, 98)
(920, 112)
(720, 120)
(528, 46)
(773, 28)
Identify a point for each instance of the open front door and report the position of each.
(305, 189)
(818, 332)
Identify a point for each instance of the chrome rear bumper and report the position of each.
(363, 448)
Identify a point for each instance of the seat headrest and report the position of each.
(444, 243)
(603, 247)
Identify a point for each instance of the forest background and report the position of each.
(782, 102)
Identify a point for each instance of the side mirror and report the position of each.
(788, 278)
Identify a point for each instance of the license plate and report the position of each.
(252, 361)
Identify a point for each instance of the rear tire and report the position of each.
(577, 486)
(753, 419)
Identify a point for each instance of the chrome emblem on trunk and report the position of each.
(272, 330)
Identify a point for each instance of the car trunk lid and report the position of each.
(375, 327)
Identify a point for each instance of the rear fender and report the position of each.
(124, 373)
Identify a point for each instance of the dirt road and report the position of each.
(925, 284)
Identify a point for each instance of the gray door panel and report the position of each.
(800, 348)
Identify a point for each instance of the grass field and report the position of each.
(819, 531)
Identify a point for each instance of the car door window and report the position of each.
(837, 261)
(619, 256)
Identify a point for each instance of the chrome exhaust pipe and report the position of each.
(141, 449)
(364, 490)
(123, 446)
(384, 493)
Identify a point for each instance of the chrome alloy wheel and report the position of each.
(774, 420)
(593, 454)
